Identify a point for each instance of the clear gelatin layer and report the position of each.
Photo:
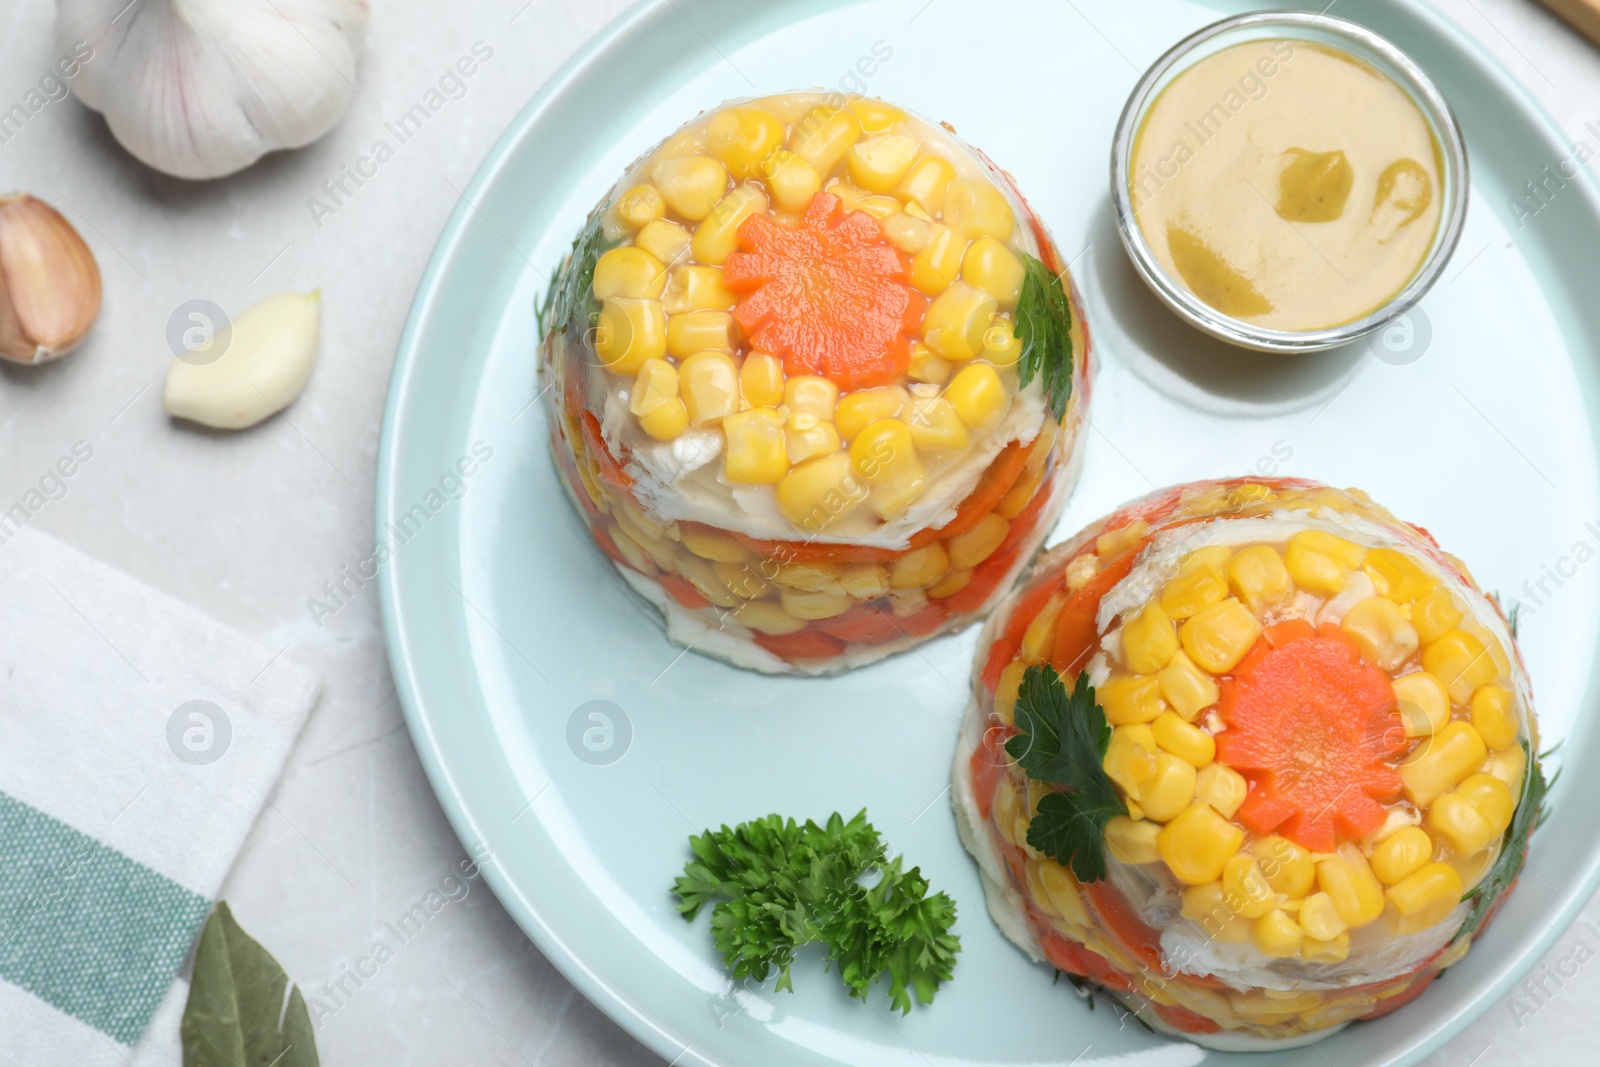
(1257, 757)
(817, 377)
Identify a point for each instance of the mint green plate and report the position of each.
(1478, 421)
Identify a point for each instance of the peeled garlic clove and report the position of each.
(266, 355)
(203, 88)
(49, 282)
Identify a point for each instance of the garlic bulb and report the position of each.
(202, 88)
(49, 282)
(250, 369)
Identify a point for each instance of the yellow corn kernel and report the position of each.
(819, 491)
(1381, 631)
(1006, 691)
(742, 138)
(1346, 878)
(694, 289)
(1423, 703)
(1258, 577)
(1441, 761)
(1039, 639)
(1205, 903)
(876, 116)
(1320, 919)
(712, 547)
(919, 566)
(1397, 575)
(699, 331)
(1062, 889)
(1435, 614)
(951, 584)
(709, 385)
(1222, 788)
(979, 543)
(935, 426)
(1426, 897)
(908, 233)
(628, 272)
(814, 605)
(1130, 757)
(639, 205)
(1218, 637)
(878, 163)
(1508, 765)
(754, 453)
(1473, 816)
(1320, 561)
(992, 267)
(717, 237)
(1502, 665)
(1001, 345)
(667, 241)
(809, 392)
(691, 185)
(1494, 716)
(885, 458)
(1401, 854)
(855, 410)
(1132, 842)
(793, 181)
(1461, 662)
(1196, 844)
(1081, 569)
(1130, 698)
(928, 367)
(703, 577)
(811, 577)
(1169, 789)
(1020, 495)
(978, 395)
(1277, 935)
(761, 380)
(1189, 743)
(938, 263)
(956, 320)
(865, 581)
(806, 436)
(1336, 950)
(1287, 867)
(1189, 593)
(767, 617)
(630, 332)
(824, 135)
(1214, 557)
(974, 208)
(1149, 640)
(654, 399)
(926, 182)
(1246, 888)
(1187, 688)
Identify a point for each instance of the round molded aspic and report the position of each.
(1345, 245)
(1314, 777)
(818, 378)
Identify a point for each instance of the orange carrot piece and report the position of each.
(1076, 635)
(802, 644)
(684, 593)
(1314, 728)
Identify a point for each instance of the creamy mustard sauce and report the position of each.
(1287, 184)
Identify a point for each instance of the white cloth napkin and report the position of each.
(139, 740)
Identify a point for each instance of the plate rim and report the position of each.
(419, 719)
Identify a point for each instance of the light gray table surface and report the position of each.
(248, 526)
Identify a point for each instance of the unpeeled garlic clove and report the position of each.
(49, 282)
(266, 355)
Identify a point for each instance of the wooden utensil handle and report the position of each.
(1583, 14)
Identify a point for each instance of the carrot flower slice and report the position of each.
(829, 296)
(1312, 726)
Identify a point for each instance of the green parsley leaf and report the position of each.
(1062, 741)
(1044, 325)
(570, 296)
(776, 885)
(1531, 811)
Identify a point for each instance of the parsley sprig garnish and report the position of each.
(570, 295)
(1531, 811)
(1044, 325)
(778, 885)
(1062, 742)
